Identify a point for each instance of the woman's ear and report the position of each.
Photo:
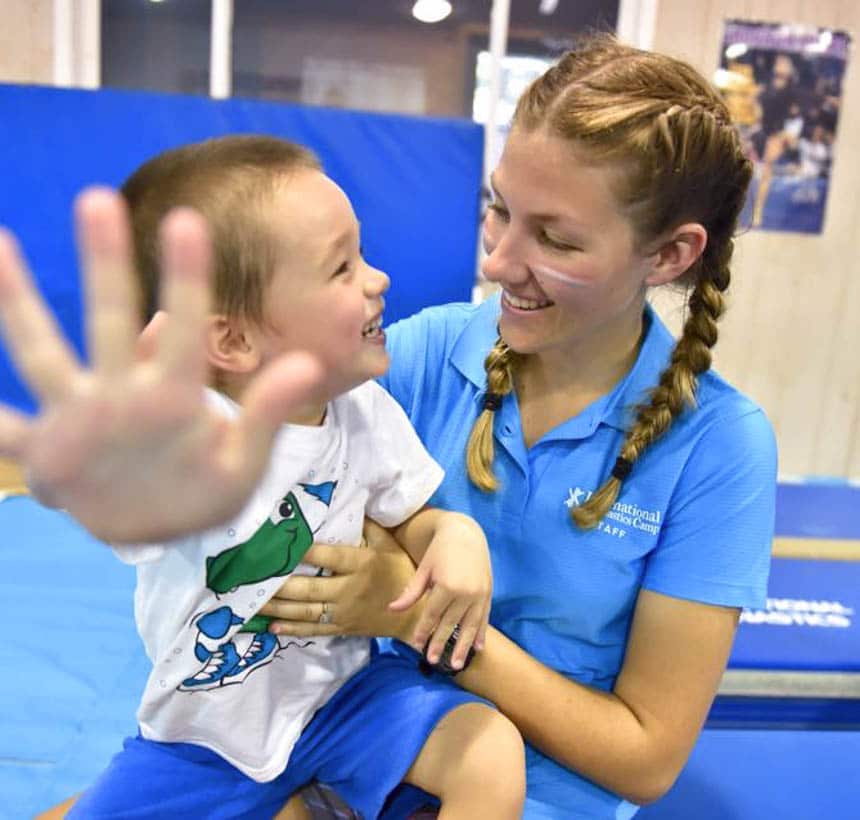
(677, 254)
(230, 345)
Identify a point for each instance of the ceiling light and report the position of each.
(548, 6)
(431, 11)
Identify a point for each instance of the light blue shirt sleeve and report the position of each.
(715, 545)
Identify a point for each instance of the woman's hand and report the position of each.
(354, 599)
(127, 444)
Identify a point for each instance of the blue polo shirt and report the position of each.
(694, 520)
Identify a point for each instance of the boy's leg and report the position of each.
(294, 810)
(474, 761)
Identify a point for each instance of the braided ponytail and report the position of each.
(676, 389)
(480, 451)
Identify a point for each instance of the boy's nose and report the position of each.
(376, 282)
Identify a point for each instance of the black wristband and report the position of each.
(443, 665)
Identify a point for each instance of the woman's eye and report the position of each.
(557, 244)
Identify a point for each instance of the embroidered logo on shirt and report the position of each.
(622, 518)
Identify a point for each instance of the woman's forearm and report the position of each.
(592, 732)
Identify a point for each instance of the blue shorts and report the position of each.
(361, 743)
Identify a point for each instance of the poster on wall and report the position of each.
(783, 86)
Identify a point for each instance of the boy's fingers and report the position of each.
(104, 245)
(32, 336)
(186, 261)
(470, 624)
(14, 433)
(434, 607)
(284, 390)
(447, 616)
(440, 637)
(481, 637)
(149, 340)
(413, 590)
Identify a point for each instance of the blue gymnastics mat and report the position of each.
(764, 775)
(75, 667)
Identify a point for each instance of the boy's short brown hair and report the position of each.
(230, 181)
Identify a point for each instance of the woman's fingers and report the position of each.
(32, 337)
(307, 612)
(186, 261)
(309, 589)
(105, 250)
(339, 559)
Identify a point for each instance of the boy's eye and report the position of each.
(343, 268)
(497, 211)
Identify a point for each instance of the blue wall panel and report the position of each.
(414, 182)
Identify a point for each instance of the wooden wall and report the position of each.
(791, 338)
(26, 41)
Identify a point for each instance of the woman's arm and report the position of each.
(633, 741)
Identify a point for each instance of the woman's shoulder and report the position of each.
(719, 400)
(438, 322)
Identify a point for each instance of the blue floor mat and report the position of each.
(75, 666)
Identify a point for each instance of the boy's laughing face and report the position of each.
(323, 296)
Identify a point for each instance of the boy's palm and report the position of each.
(128, 446)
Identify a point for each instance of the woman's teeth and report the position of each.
(526, 304)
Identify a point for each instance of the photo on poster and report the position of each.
(783, 87)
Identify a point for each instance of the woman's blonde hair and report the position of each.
(230, 181)
(660, 122)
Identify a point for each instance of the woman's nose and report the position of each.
(502, 261)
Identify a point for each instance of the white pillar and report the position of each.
(64, 43)
(221, 50)
(499, 16)
(637, 20)
(88, 60)
(77, 43)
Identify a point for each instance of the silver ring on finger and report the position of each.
(325, 615)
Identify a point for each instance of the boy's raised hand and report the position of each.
(128, 445)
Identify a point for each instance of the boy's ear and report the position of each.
(677, 253)
(230, 345)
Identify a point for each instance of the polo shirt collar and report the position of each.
(614, 409)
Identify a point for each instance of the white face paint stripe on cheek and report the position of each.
(543, 272)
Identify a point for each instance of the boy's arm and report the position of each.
(453, 563)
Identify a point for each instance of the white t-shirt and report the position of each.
(247, 695)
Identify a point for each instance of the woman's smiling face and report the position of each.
(561, 248)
